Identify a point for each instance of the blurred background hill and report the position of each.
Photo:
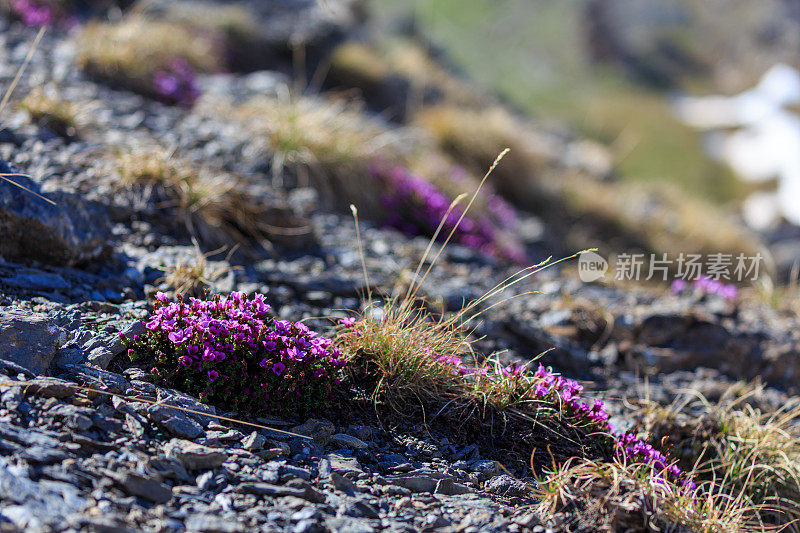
(604, 67)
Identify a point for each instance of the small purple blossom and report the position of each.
(177, 84)
(705, 285)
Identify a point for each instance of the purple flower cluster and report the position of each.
(564, 395)
(417, 207)
(635, 449)
(42, 13)
(177, 84)
(455, 364)
(31, 13)
(228, 351)
(706, 285)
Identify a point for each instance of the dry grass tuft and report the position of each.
(216, 207)
(473, 137)
(394, 347)
(51, 112)
(411, 362)
(329, 145)
(395, 356)
(586, 495)
(130, 52)
(234, 29)
(399, 75)
(743, 449)
(191, 277)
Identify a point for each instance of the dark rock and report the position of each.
(48, 387)
(320, 430)
(343, 484)
(71, 232)
(149, 489)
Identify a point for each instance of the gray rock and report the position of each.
(414, 483)
(100, 357)
(268, 489)
(254, 442)
(274, 449)
(167, 467)
(338, 463)
(505, 485)
(450, 488)
(31, 506)
(71, 232)
(202, 413)
(100, 379)
(359, 508)
(29, 340)
(349, 524)
(195, 456)
(175, 421)
(291, 471)
(208, 523)
(342, 439)
(297, 488)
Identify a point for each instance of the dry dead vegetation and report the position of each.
(51, 112)
(398, 77)
(128, 53)
(587, 495)
(193, 276)
(216, 207)
(745, 447)
(150, 38)
(329, 145)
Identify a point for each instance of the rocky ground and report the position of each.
(117, 458)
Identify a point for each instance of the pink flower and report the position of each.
(677, 286)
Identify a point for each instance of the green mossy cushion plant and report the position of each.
(230, 352)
